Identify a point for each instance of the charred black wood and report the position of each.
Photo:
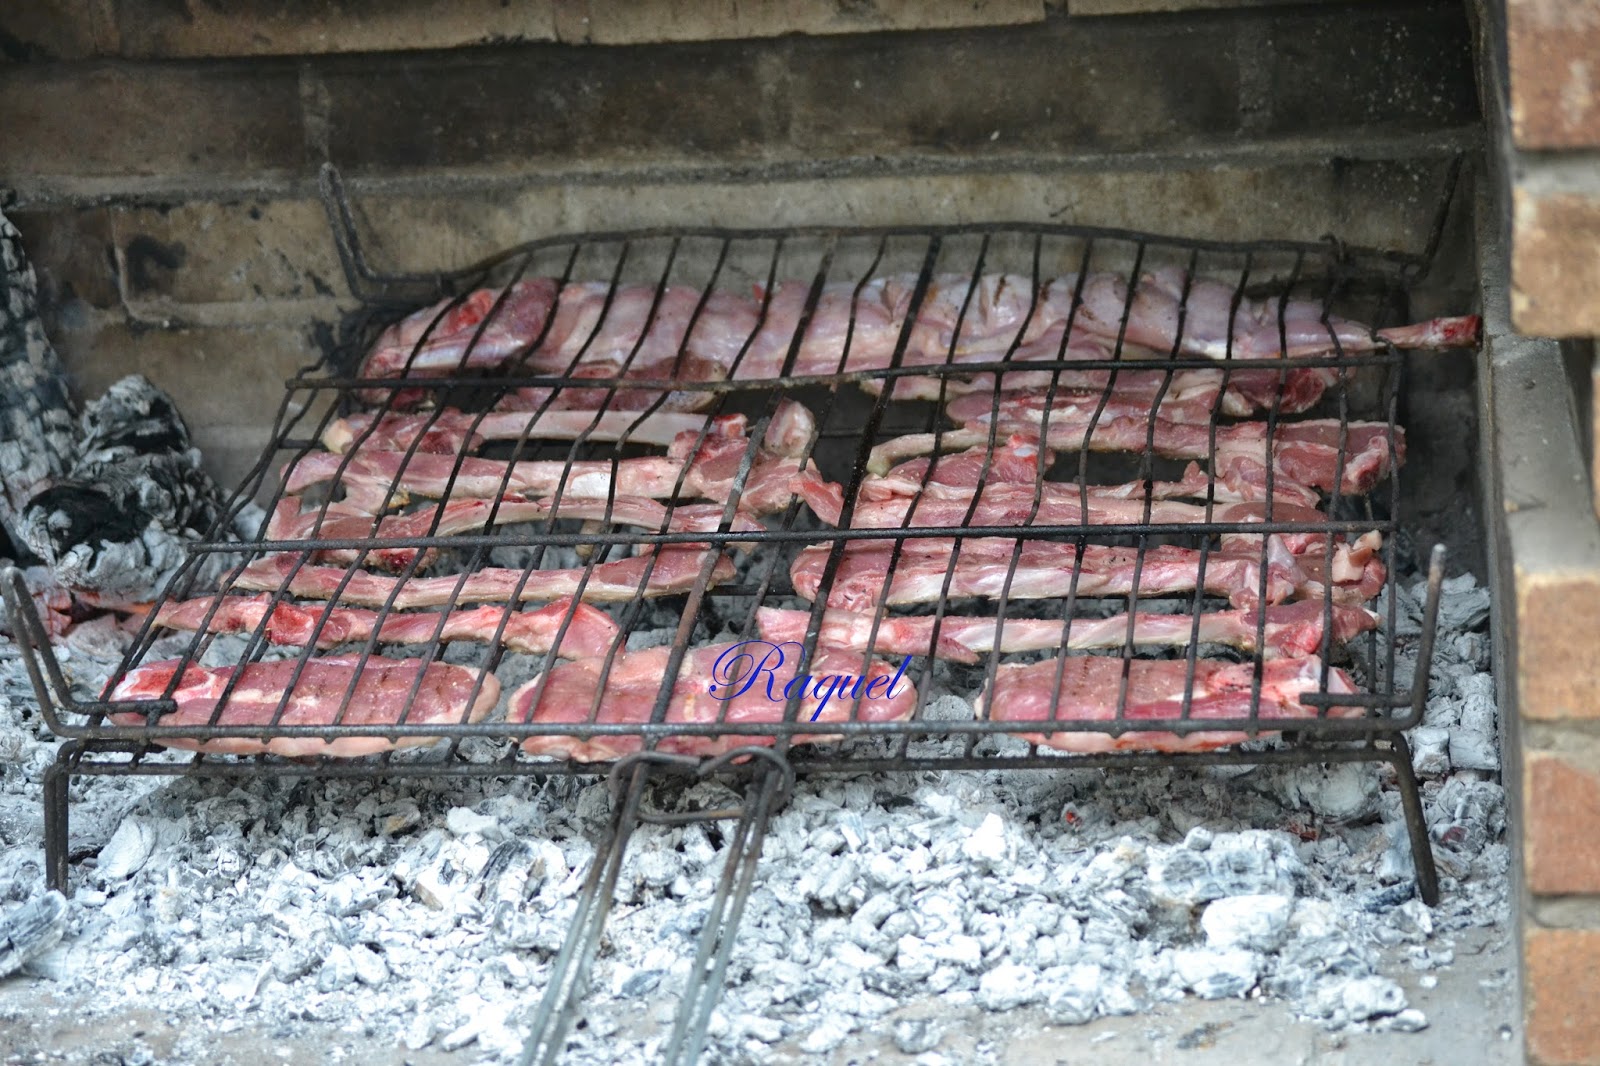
(120, 522)
(31, 930)
(37, 422)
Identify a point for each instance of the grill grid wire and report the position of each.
(325, 390)
(791, 527)
(1372, 285)
(310, 392)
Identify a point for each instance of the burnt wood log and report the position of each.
(111, 506)
(37, 423)
(31, 930)
(121, 521)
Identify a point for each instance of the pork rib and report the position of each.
(1191, 395)
(857, 326)
(375, 479)
(667, 571)
(1305, 453)
(1090, 686)
(336, 690)
(1045, 569)
(579, 327)
(1291, 630)
(1020, 461)
(337, 522)
(1050, 503)
(588, 631)
(1203, 320)
(734, 683)
(451, 432)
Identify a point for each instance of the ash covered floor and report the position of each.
(1472, 1007)
(1041, 916)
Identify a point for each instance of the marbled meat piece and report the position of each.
(736, 683)
(336, 521)
(681, 333)
(335, 690)
(1089, 688)
(582, 629)
(1290, 630)
(1306, 453)
(868, 574)
(450, 432)
(666, 571)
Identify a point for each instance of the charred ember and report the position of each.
(36, 413)
(119, 522)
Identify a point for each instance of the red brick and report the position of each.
(1561, 978)
(1558, 645)
(1555, 263)
(1561, 835)
(1554, 52)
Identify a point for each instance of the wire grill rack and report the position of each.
(855, 412)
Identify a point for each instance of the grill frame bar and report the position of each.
(934, 235)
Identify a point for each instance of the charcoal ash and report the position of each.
(427, 912)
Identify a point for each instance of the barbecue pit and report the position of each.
(1383, 288)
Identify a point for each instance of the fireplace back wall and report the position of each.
(162, 166)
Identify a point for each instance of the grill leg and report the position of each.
(703, 988)
(569, 977)
(57, 776)
(1416, 823)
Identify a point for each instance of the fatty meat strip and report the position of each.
(1290, 630)
(334, 522)
(1046, 570)
(1019, 461)
(1089, 688)
(669, 570)
(723, 683)
(541, 327)
(1052, 503)
(328, 691)
(587, 631)
(451, 432)
(1303, 453)
(375, 480)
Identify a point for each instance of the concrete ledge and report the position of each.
(1010, 96)
(159, 29)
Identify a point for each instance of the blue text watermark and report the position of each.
(755, 663)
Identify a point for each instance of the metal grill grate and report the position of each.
(572, 543)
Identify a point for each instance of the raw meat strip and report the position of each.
(588, 631)
(1020, 461)
(1045, 570)
(637, 328)
(1305, 453)
(674, 571)
(1090, 688)
(742, 675)
(335, 522)
(451, 432)
(695, 465)
(1292, 630)
(962, 317)
(478, 330)
(1050, 503)
(1159, 307)
(376, 693)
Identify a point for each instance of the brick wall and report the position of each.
(1553, 57)
(1545, 120)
